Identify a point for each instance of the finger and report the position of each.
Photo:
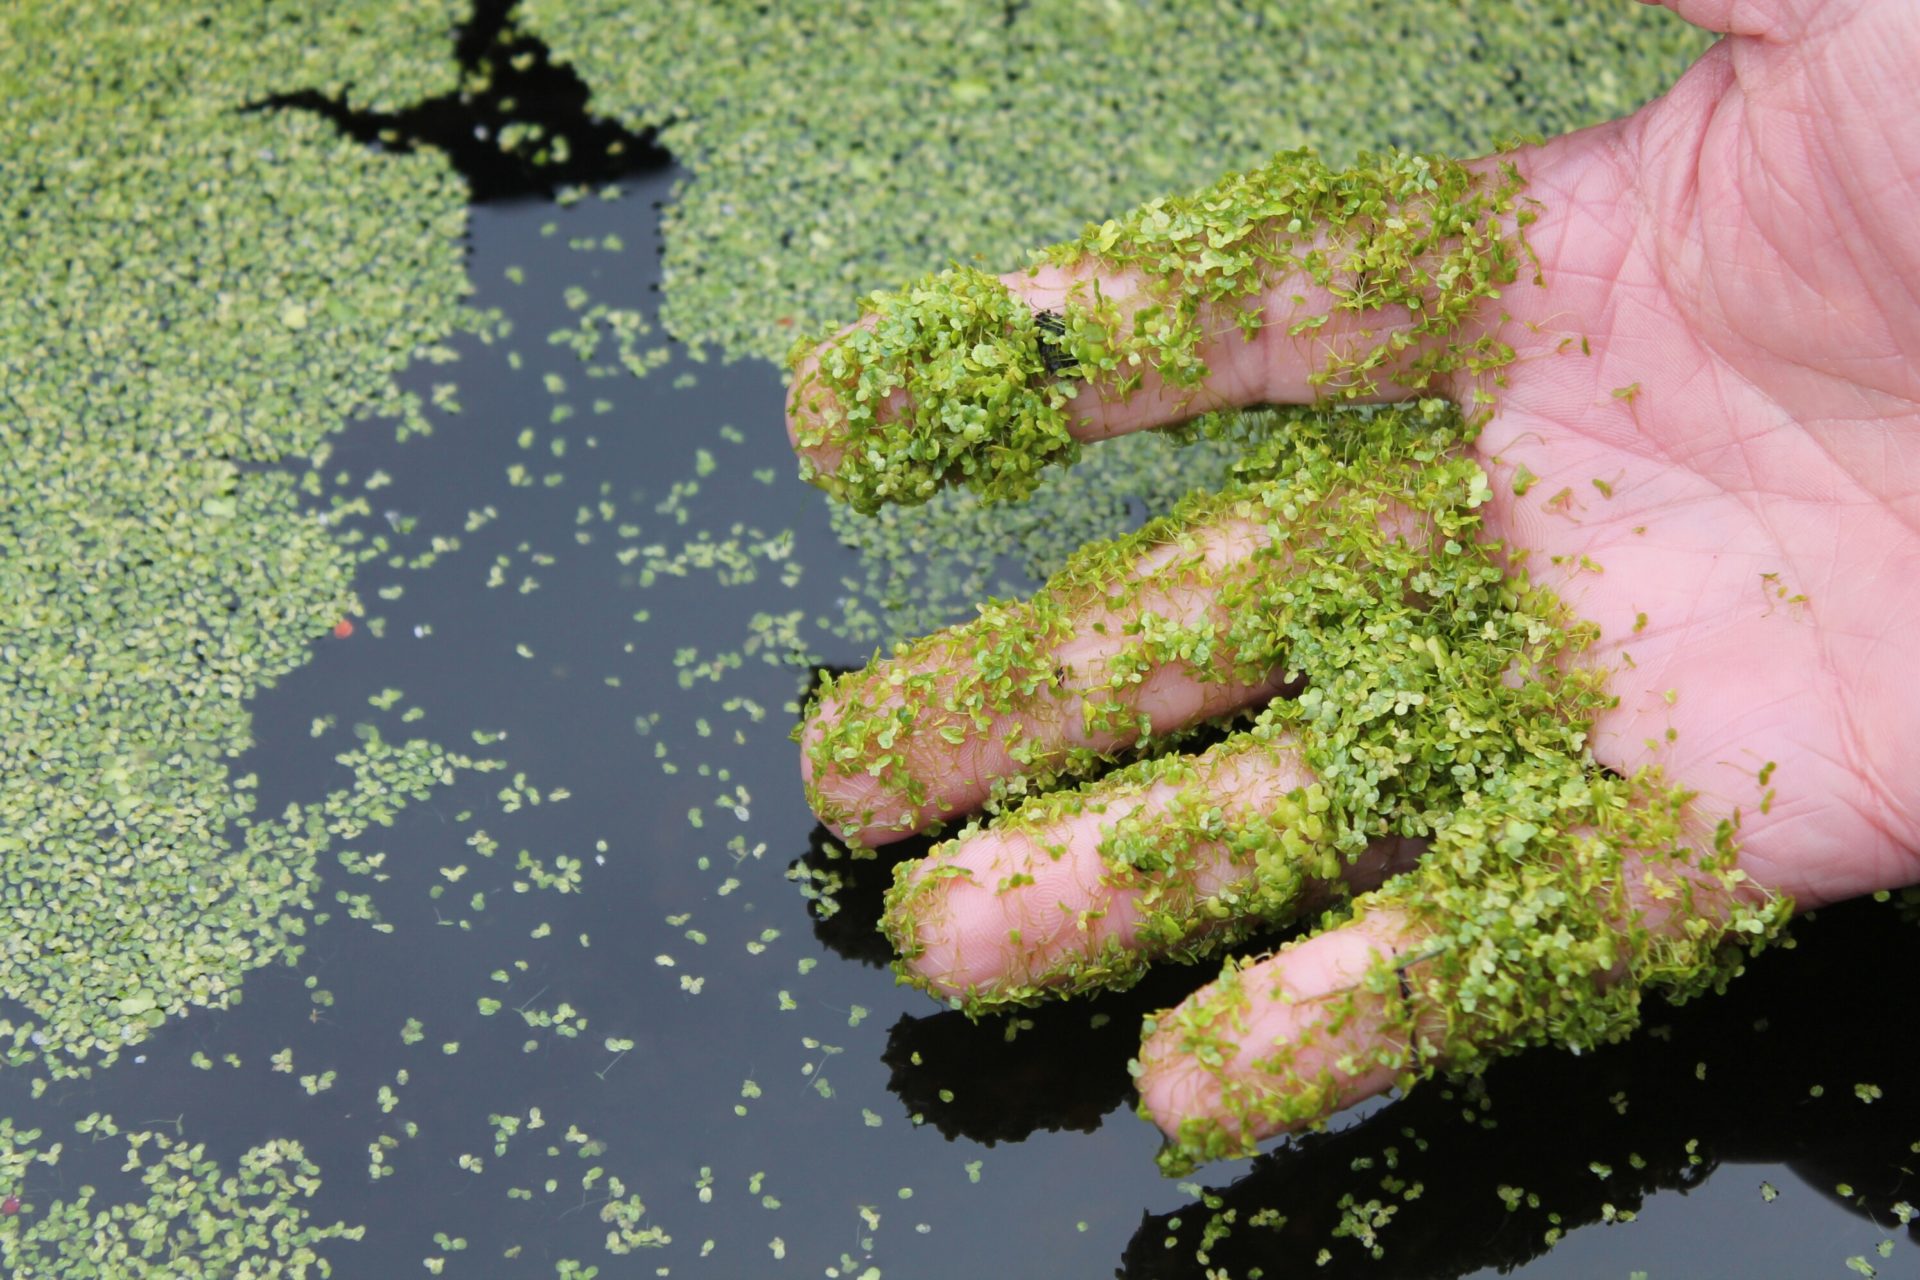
(1773, 20)
(1302, 333)
(1101, 660)
(1082, 890)
(1132, 641)
(1277, 362)
(1470, 956)
(1287, 283)
(1285, 1042)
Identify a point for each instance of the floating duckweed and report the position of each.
(382, 69)
(956, 380)
(874, 141)
(197, 1218)
(205, 60)
(211, 288)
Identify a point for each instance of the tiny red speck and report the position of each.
(10, 1206)
(343, 628)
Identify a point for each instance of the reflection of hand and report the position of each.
(1715, 401)
(1596, 1139)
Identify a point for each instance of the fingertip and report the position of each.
(994, 917)
(1176, 1090)
(919, 920)
(852, 804)
(810, 416)
(1275, 1047)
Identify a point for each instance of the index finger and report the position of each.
(1287, 283)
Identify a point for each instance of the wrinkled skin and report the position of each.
(1728, 336)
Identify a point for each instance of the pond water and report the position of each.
(614, 611)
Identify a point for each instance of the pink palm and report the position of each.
(1744, 252)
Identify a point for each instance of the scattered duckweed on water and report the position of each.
(206, 288)
(197, 1219)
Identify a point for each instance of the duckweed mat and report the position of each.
(401, 623)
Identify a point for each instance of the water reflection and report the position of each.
(1766, 1074)
(1004, 1078)
(844, 889)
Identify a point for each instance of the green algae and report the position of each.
(212, 289)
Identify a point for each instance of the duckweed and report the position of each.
(197, 1218)
(1447, 719)
(213, 289)
(878, 139)
(881, 140)
(229, 288)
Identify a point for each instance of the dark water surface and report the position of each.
(968, 1154)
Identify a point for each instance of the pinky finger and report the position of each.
(1445, 969)
(1280, 1043)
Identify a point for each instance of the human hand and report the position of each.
(1705, 442)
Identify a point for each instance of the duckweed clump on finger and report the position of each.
(954, 380)
(959, 370)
